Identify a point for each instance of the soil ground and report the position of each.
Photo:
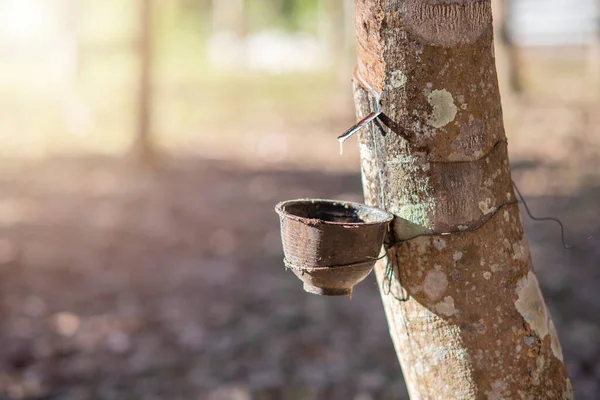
(119, 283)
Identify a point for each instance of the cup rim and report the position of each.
(386, 216)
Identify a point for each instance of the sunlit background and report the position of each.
(143, 145)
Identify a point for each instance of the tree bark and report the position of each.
(474, 324)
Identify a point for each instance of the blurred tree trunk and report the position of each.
(228, 16)
(474, 324)
(287, 9)
(594, 56)
(70, 13)
(144, 148)
(336, 28)
(349, 42)
(331, 29)
(507, 52)
(77, 114)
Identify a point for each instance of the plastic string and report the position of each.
(562, 228)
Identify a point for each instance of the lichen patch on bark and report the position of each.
(446, 307)
(439, 243)
(398, 79)
(498, 388)
(568, 392)
(554, 343)
(435, 284)
(531, 306)
(520, 251)
(444, 110)
(487, 206)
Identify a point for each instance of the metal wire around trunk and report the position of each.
(376, 97)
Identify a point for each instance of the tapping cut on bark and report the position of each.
(475, 324)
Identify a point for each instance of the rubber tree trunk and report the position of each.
(336, 33)
(144, 148)
(228, 16)
(331, 29)
(69, 16)
(474, 324)
(508, 52)
(594, 57)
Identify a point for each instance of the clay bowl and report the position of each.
(331, 245)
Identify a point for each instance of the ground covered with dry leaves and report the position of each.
(122, 284)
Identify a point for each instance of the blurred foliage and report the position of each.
(193, 101)
(282, 14)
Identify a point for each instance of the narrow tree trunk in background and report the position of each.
(349, 32)
(70, 13)
(594, 56)
(475, 324)
(331, 30)
(336, 32)
(77, 115)
(228, 16)
(507, 53)
(144, 147)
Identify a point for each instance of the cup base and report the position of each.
(327, 291)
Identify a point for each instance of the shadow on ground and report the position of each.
(119, 285)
